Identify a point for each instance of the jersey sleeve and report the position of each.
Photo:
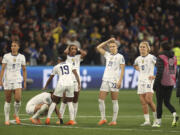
(106, 55)
(154, 59)
(23, 61)
(4, 60)
(122, 61)
(54, 71)
(136, 62)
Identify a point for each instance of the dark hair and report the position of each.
(62, 57)
(17, 42)
(165, 45)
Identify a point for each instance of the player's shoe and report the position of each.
(7, 123)
(71, 122)
(112, 123)
(59, 122)
(17, 119)
(33, 121)
(156, 124)
(47, 121)
(101, 122)
(146, 123)
(174, 124)
(38, 121)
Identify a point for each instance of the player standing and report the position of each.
(11, 80)
(112, 78)
(145, 64)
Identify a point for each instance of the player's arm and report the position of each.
(77, 78)
(122, 66)
(48, 81)
(100, 47)
(83, 53)
(66, 51)
(24, 75)
(2, 73)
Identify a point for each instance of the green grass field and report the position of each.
(129, 119)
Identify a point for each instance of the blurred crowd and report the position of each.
(46, 27)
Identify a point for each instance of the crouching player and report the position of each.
(65, 84)
(38, 106)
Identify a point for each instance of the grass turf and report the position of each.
(129, 118)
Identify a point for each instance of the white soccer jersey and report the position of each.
(146, 66)
(43, 98)
(12, 72)
(75, 61)
(64, 71)
(112, 70)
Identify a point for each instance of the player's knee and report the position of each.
(56, 100)
(64, 100)
(101, 101)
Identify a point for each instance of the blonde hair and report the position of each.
(147, 45)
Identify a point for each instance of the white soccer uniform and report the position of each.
(146, 68)
(12, 75)
(43, 98)
(65, 82)
(112, 71)
(75, 61)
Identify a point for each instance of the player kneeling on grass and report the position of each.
(38, 106)
(65, 84)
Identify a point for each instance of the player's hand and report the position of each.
(118, 85)
(25, 85)
(112, 39)
(151, 78)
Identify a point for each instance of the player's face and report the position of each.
(113, 48)
(73, 50)
(143, 49)
(14, 47)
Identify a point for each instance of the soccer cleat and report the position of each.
(33, 121)
(60, 122)
(38, 121)
(71, 122)
(146, 123)
(174, 124)
(101, 122)
(17, 119)
(7, 123)
(155, 124)
(47, 121)
(112, 123)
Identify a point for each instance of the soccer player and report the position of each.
(38, 106)
(145, 64)
(165, 81)
(112, 78)
(11, 80)
(74, 57)
(65, 84)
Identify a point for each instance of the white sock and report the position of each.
(71, 110)
(51, 109)
(43, 108)
(102, 109)
(75, 105)
(146, 117)
(174, 116)
(115, 110)
(7, 110)
(159, 121)
(16, 108)
(62, 109)
(155, 115)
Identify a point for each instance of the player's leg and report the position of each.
(145, 110)
(17, 104)
(114, 97)
(149, 101)
(75, 100)
(102, 96)
(63, 106)
(70, 96)
(7, 105)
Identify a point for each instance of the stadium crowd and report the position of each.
(46, 27)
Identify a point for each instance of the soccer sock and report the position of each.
(174, 116)
(146, 117)
(159, 121)
(155, 115)
(75, 105)
(7, 110)
(62, 109)
(102, 109)
(16, 108)
(71, 110)
(51, 109)
(43, 108)
(115, 109)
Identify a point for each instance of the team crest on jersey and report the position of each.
(142, 61)
(14, 60)
(111, 58)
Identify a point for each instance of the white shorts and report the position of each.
(144, 88)
(76, 86)
(30, 109)
(61, 89)
(108, 86)
(12, 86)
